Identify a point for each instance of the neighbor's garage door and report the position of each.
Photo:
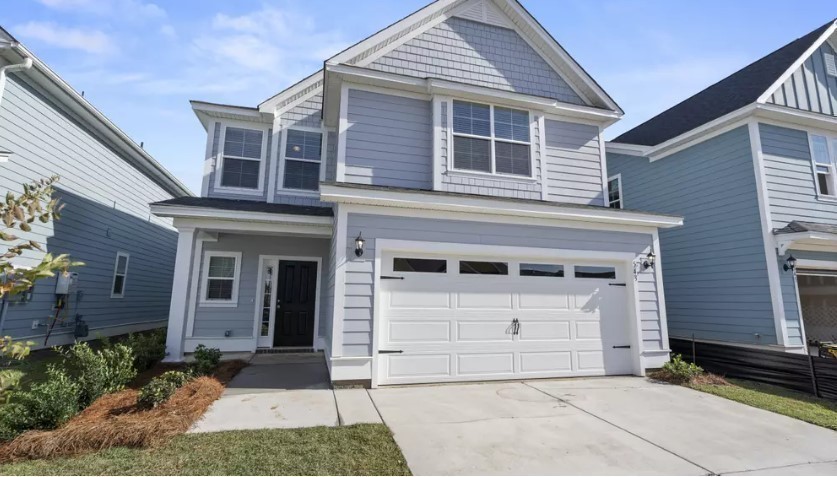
(451, 319)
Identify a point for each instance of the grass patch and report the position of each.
(797, 405)
(363, 449)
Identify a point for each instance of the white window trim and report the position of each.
(219, 160)
(280, 175)
(232, 302)
(621, 196)
(831, 145)
(493, 173)
(125, 275)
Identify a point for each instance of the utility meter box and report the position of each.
(66, 283)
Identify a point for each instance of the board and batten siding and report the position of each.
(359, 294)
(573, 164)
(389, 141)
(715, 269)
(211, 322)
(106, 211)
(812, 87)
(477, 53)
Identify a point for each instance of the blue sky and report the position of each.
(140, 61)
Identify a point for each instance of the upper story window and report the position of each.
(824, 155)
(243, 156)
(614, 192)
(302, 159)
(491, 139)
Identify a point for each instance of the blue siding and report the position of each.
(477, 53)
(573, 163)
(714, 266)
(811, 88)
(389, 141)
(106, 211)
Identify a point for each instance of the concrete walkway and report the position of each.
(286, 391)
(596, 426)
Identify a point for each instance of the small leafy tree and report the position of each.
(10, 350)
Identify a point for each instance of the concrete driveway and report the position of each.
(596, 426)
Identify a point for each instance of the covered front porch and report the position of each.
(248, 276)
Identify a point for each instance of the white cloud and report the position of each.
(87, 40)
(126, 9)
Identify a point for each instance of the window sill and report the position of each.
(299, 192)
(210, 304)
(488, 175)
(238, 190)
(827, 198)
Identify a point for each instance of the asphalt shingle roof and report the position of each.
(248, 206)
(797, 227)
(733, 92)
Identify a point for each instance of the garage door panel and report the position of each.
(483, 331)
(544, 301)
(590, 360)
(588, 330)
(544, 331)
(546, 362)
(476, 300)
(419, 299)
(420, 365)
(419, 331)
(485, 364)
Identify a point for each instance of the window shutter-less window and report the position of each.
(242, 158)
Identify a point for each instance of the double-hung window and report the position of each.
(302, 156)
(242, 159)
(824, 156)
(120, 275)
(491, 139)
(220, 278)
(614, 192)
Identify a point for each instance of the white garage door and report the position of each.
(452, 319)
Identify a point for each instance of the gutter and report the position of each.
(5, 70)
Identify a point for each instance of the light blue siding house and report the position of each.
(431, 206)
(107, 183)
(750, 165)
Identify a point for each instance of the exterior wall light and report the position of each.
(649, 261)
(790, 263)
(359, 243)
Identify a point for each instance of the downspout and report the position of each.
(5, 70)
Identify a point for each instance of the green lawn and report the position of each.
(363, 449)
(804, 407)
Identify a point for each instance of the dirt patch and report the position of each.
(703, 378)
(115, 420)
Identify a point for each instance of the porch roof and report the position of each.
(797, 227)
(811, 236)
(246, 206)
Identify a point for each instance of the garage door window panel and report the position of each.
(541, 270)
(483, 268)
(419, 265)
(588, 271)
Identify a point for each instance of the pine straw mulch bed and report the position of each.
(115, 420)
(701, 379)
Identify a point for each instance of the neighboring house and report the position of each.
(428, 207)
(107, 182)
(750, 164)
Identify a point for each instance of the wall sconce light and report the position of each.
(649, 261)
(359, 242)
(790, 263)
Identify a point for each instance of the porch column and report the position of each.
(180, 294)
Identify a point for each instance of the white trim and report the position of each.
(815, 264)
(191, 309)
(269, 105)
(219, 170)
(773, 277)
(209, 161)
(437, 143)
(342, 133)
(389, 91)
(542, 150)
(811, 241)
(350, 368)
(124, 275)
(490, 206)
(260, 296)
(244, 226)
(796, 64)
(276, 146)
(802, 335)
(182, 211)
(180, 293)
(661, 296)
(61, 337)
(607, 191)
(626, 149)
(340, 239)
(603, 165)
(203, 301)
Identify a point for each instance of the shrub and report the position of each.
(46, 405)
(206, 360)
(159, 389)
(99, 372)
(680, 371)
(149, 348)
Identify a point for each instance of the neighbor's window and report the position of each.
(120, 275)
(221, 277)
(419, 265)
(491, 139)
(241, 167)
(483, 268)
(541, 270)
(594, 272)
(614, 192)
(303, 154)
(824, 158)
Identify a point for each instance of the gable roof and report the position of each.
(737, 90)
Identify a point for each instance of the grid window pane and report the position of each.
(511, 124)
(512, 158)
(219, 289)
(819, 149)
(242, 173)
(118, 284)
(304, 145)
(483, 268)
(613, 197)
(302, 175)
(472, 118)
(221, 267)
(243, 143)
(472, 154)
(121, 264)
(824, 183)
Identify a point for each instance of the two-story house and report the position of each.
(106, 184)
(429, 207)
(750, 164)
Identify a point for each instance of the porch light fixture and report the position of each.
(649, 261)
(359, 242)
(790, 263)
